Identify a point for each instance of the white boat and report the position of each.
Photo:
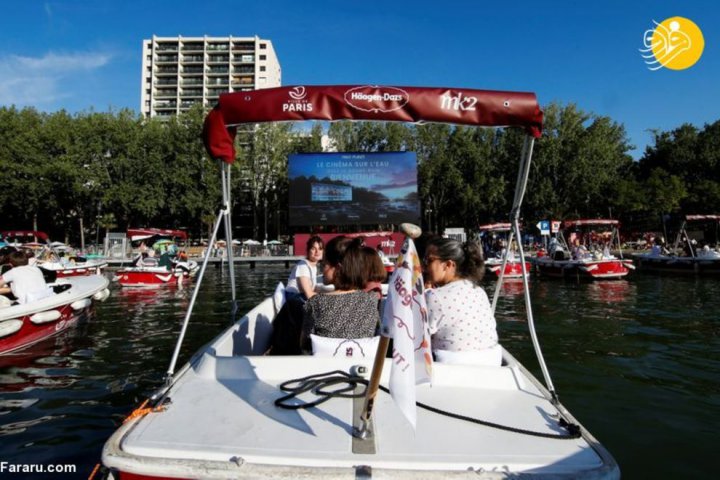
(54, 256)
(22, 325)
(218, 417)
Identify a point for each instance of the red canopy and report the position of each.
(495, 227)
(141, 233)
(580, 223)
(460, 106)
(24, 233)
(698, 218)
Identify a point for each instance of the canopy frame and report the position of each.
(483, 108)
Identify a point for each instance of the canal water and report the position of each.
(636, 361)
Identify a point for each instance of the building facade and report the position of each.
(178, 72)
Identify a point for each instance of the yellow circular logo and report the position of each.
(675, 43)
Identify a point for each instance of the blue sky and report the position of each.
(86, 55)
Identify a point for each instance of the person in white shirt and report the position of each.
(303, 277)
(300, 287)
(26, 282)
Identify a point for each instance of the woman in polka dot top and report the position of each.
(459, 312)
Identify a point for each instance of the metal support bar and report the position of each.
(225, 168)
(520, 187)
(224, 213)
(176, 353)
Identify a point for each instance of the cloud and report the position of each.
(39, 81)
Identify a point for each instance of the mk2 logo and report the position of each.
(459, 102)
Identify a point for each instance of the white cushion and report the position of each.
(344, 347)
(490, 356)
(279, 296)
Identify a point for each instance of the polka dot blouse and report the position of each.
(460, 317)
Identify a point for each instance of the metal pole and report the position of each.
(176, 353)
(501, 277)
(228, 228)
(521, 185)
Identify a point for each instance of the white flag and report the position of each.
(405, 321)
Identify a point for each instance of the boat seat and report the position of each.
(344, 347)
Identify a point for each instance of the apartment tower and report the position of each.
(178, 72)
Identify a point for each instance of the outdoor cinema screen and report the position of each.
(353, 188)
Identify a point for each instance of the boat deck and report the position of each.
(221, 422)
(223, 409)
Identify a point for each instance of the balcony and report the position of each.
(218, 71)
(166, 81)
(218, 59)
(166, 59)
(191, 81)
(165, 70)
(243, 46)
(216, 81)
(191, 92)
(166, 47)
(218, 47)
(192, 70)
(243, 59)
(165, 104)
(214, 92)
(193, 58)
(245, 69)
(193, 47)
(166, 93)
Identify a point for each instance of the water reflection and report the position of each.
(609, 291)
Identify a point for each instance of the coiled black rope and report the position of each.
(319, 383)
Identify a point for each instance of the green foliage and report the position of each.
(117, 170)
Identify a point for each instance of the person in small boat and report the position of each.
(659, 248)
(348, 311)
(579, 251)
(26, 282)
(300, 286)
(5, 258)
(165, 260)
(376, 274)
(4, 267)
(303, 277)
(459, 314)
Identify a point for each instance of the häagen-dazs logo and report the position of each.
(675, 43)
(372, 98)
(297, 101)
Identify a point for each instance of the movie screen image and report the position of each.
(353, 188)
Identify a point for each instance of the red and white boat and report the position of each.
(147, 272)
(22, 325)
(596, 262)
(513, 266)
(49, 259)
